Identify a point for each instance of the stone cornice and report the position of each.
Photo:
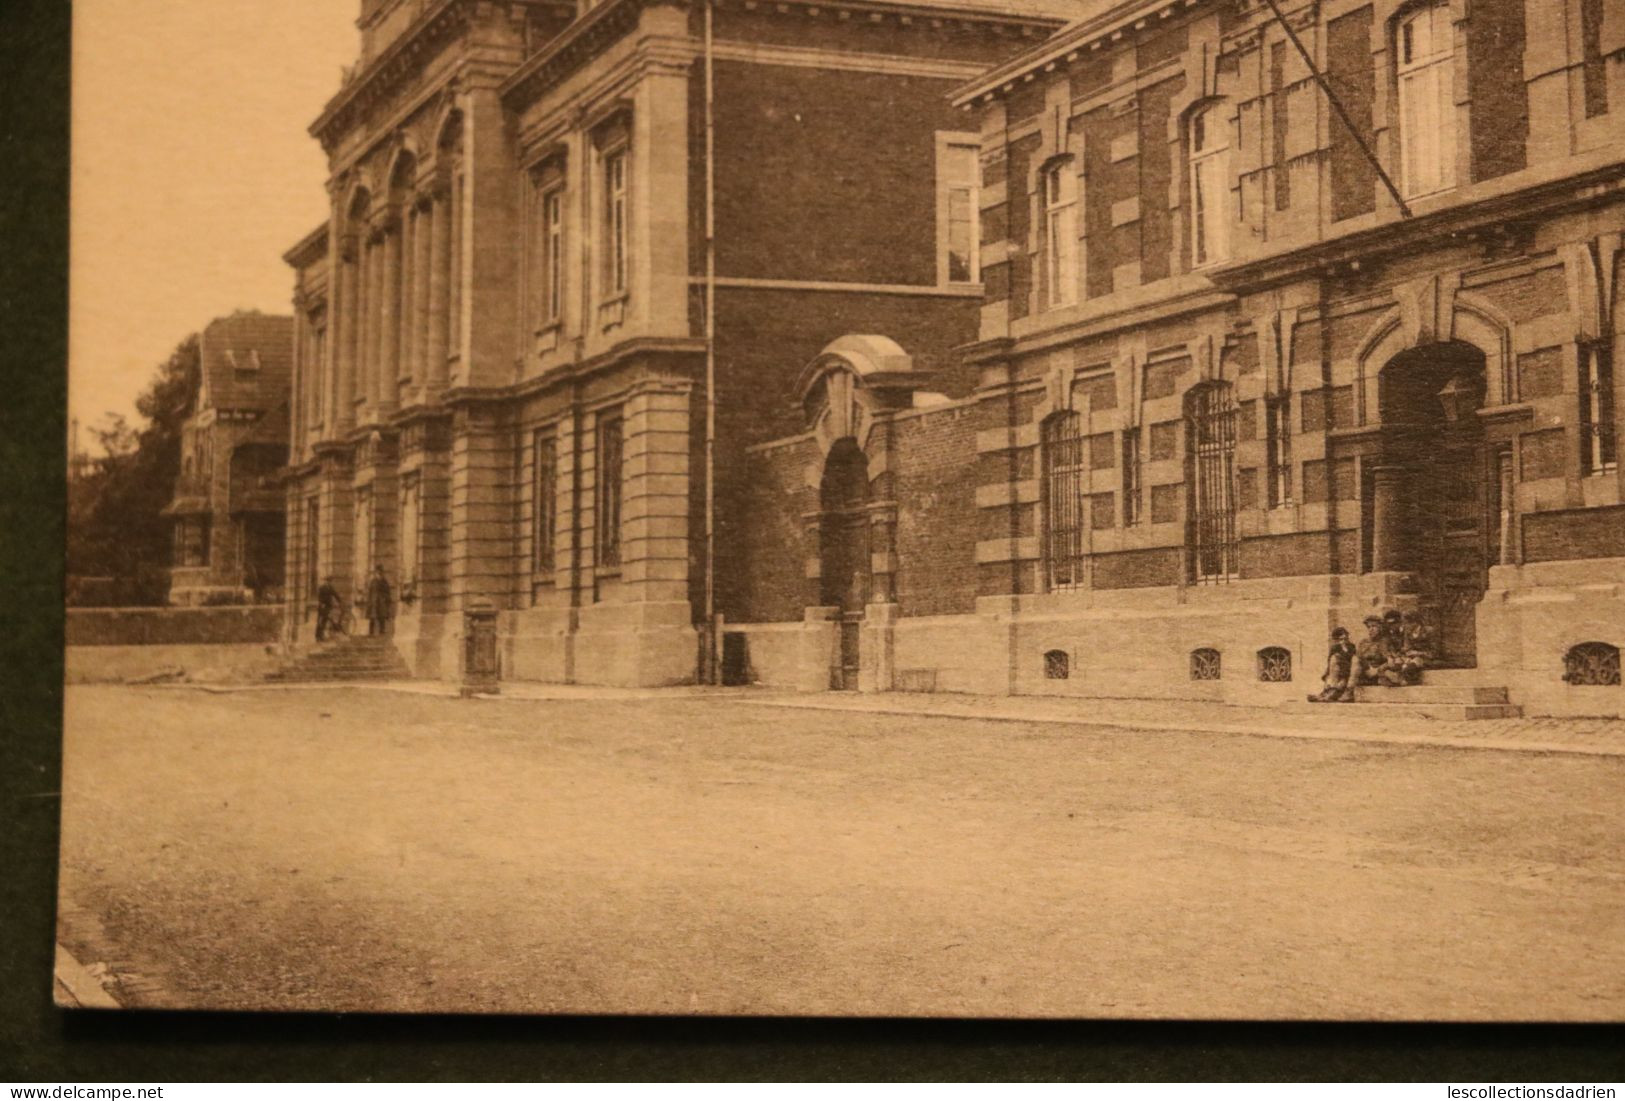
(309, 249)
(579, 369)
(580, 42)
(1119, 22)
(440, 23)
(1492, 215)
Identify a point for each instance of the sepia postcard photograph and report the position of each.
(1082, 509)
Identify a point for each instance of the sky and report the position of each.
(192, 173)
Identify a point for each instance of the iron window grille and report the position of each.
(1592, 664)
(1211, 528)
(544, 508)
(610, 472)
(1057, 665)
(1274, 664)
(1205, 664)
(1278, 443)
(1063, 501)
(1132, 483)
(1598, 433)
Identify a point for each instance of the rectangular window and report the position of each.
(1599, 438)
(552, 255)
(616, 239)
(1427, 102)
(313, 545)
(1131, 477)
(1060, 245)
(958, 184)
(317, 373)
(1210, 187)
(1062, 487)
(610, 473)
(544, 501)
(1278, 441)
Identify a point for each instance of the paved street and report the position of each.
(358, 849)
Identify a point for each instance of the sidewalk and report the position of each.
(1596, 737)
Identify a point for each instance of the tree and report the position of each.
(116, 526)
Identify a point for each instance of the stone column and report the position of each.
(361, 382)
(418, 356)
(342, 341)
(372, 318)
(439, 312)
(1388, 520)
(389, 320)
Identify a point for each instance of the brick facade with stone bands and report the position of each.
(446, 387)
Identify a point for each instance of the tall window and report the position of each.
(1210, 419)
(1060, 233)
(1063, 498)
(313, 545)
(1131, 477)
(615, 223)
(1210, 186)
(1425, 51)
(958, 181)
(544, 510)
(411, 514)
(1278, 439)
(610, 473)
(1599, 439)
(552, 255)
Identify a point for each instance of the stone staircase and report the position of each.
(361, 658)
(1451, 694)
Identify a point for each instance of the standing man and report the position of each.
(327, 607)
(378, 601)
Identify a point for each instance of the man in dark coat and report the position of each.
(1377, 662)
(327, 609)
(378, 602)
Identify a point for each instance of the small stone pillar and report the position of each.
(481, 670)
(1388, 519)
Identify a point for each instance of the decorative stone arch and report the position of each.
(1435, 311)
(404, 153)
(847, 392)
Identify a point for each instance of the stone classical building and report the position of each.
(227, 508)
(1236, 385)
(553, 224)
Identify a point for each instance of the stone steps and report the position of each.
(349, 659)
(1450, 712)
(1434, 693)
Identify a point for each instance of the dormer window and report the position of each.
(1424, 45)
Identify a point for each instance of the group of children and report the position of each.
(1397, 647)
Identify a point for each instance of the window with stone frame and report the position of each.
(1599, 437)
(958, 200)
(610, 475)
(548, 242)
(544, 502)
(1064, 475)
(1059, 246)
(411, 528)
(617, 221)
(1278, 449)
(1425, 56)
(1209, 158)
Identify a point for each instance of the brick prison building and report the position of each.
(227, 509)
(551, 224)
(1235, 384)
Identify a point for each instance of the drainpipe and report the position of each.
(711, 671)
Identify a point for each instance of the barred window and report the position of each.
(1278, 441)
(1592, 663)
(610, 472)
(1057, 665)
(1274, 664)
(1131, 477)
(1210, 423)
(544, 506)
(1063, 482)
(1599, 440)
(1205, 664)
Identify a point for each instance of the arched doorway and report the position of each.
(843, 550)
(1433, 488)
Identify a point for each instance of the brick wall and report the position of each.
(937, 513)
